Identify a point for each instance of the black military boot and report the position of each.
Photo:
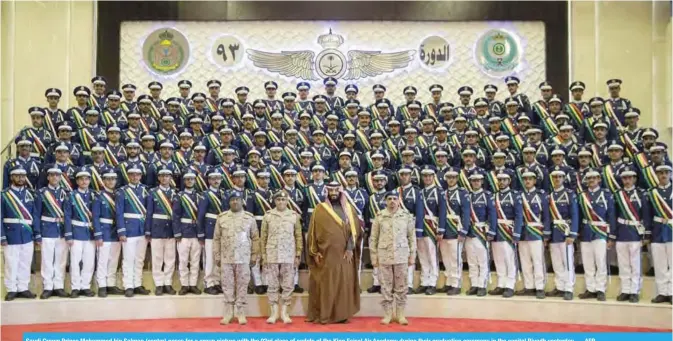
(10, 296)
(410, 291)
(298, 289)
(218, 289)
(183, 291)
(481, 292)
(633, 298)
(497, 291)
(169, 290)
(623, 297)
(555, 293)
(141, 291)
(194, 290)
(259, 290)
(87, 293)
(420, 290)
(159, 290)
(600, 296)
(508, 293)
(431, 291)
(539, 294)
(102, 292)
(210, 290)
(568, 296)
(472, 291)
(445, 288)
(74, 294)
(587, 295)
(129, 293)
(453, 291)
(46, 294)
(660, 299)
(114, 291)
(26, 294)
(60, 293)
(374, 289)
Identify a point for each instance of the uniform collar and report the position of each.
(240, 189)
(407, 186)
(560, 189)
(189, 190)
(53, 188)
(630, 188)
(164, 188)
(318, 183)
(86, 190)
(17, 189)
(289, 188)
(533, 189)
(665, 187)
(595, 189)
(454, 187)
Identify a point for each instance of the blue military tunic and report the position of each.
(434, 209)
(412, 201)
(49, 213)
(359, 197)
(209, 208)
(483, 216)
(600, 205)
(186, 216)
(564, 214)
(104, 217)
(633, 215)
(67, 181)
(662, 221)
(535, 207)
(130, 210)
(78, 215)
(17, 213)
(42, 139)
(32, 167)
(457, 220)
(263, 204)
(122, 175)
(509, 208)
(114, 116)
(160, 205)
(314, 194)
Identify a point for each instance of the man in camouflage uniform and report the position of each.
(281, 247)
(235, 247)
(392, 246)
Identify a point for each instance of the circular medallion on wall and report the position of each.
(166, 51)
(227, 51)
(434, 52)
(497, 52)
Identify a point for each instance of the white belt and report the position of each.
(595, 223)
(211, 215)
(480, 225)
(134, 216)
(161, 216)
(534, 224)
(310, 210)
(559, 222)
(259, 217)
(663, 221)
(452, 216)
(506, 221)
(187, 221)
(106, 221)
(49, 219)
(628, 222)
(16, 221)
(81, 223)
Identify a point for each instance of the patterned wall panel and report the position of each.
(276, 36)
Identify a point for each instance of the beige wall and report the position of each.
(630, 40)
(44, 44)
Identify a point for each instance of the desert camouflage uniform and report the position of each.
(235, 247)
(392, 242)
(281, 243)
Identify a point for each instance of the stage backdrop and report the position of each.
(396, 54)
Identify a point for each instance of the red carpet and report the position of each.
(360, 324)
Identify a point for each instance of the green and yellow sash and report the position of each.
(189, 207)
(20, 211)
(164, 202)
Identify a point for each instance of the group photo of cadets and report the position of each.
(497, 183)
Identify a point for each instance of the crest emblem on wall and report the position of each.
(497, 52)
(331, 62)
(166, 51)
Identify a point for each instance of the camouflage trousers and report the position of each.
(393, 279)
(279, 276)
(235, 279)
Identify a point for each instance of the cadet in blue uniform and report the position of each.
(159, 230)
(662, 246)
(534, 237)
(127, 104)
(106, 237)
(262, 205)
(315, 193)
(209, 208)
(598, 217)
(434, 210)
(28, 163)
(188, 233)
(54, 115)
(79, 235)
(495, 107)
(296, 201)
(524, 106)
(112, 113)
(508, 208)
(17, 213)
(483, 220)
(132, 160)
(75, 115)
(165, 159)
(620, 105)
(49, 234)
(564, 215)
(67, 169)
(452, 231)
(130, 219)
(410, 198)
(633, 214)
(41, 137)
